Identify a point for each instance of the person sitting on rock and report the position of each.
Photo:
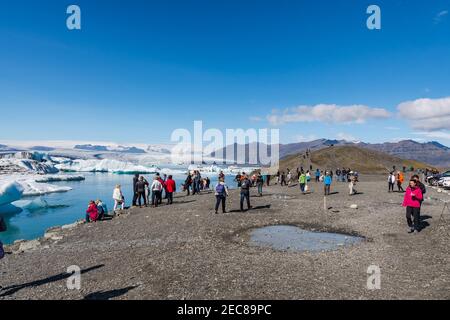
(91, 212)
(101, 208)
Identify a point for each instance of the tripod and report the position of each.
(442, 219)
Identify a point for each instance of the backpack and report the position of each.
(245, 184)
(422, 188)
(220, 189)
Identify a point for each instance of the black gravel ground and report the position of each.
(185, 251)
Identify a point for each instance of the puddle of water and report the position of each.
(293, 238)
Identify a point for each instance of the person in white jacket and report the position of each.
(118, 198)
(391, 181)
(156, 191)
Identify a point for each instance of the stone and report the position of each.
(29, 245)
(354, 206)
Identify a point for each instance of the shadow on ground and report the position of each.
(107, 295)
(8, 291)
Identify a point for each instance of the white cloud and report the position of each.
(346, 137)
(438, 18)
(329, 113)
(427, 114)
(435, 135)
(302, 138)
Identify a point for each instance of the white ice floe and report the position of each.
(59, 177)
(34, 204)
(105, 165)
(10, 191)
(33, 188)
(14, 187)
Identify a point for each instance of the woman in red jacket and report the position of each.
(412, 202)
(171, 187)
(91, 212)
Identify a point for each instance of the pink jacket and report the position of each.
(413, 201)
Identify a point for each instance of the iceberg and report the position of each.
(32, 205)
(10, 192)
(14, 188)
(105, 165)
(33, 188)
(9, 209)
(57, 178)
(21, 165)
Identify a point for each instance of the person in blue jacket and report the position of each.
(327, 183)
(317, 175)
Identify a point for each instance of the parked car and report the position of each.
(435, 179)
(445, 182)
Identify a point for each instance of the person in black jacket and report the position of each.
(188, 183)
(422, 188)
(140, 191)
(245, 192)
(135, 195)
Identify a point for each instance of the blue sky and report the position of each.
(137, 70)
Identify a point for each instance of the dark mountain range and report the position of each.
(433, 153)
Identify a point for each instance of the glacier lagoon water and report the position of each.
(58, 209)
(292, 238)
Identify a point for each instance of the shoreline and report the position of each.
(185, 251)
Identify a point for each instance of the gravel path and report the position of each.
(186, 252)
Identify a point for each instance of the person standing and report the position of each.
(400, 180)
(118, 198)
(208, 183)
(140, 189)
(135, 195)
(164, 179)
(245, 192)
(317, 175)
(338, 174)
(283, 179)
(412, 201)
(162, 189)
(268, 179)
(391, 182)
(260, 183)
(221, 193)
(289, 178)
(156, 191)
(302, 182)
(171, 187)
(351, 186)
(327, 183)
(188, 183)
(237, 179)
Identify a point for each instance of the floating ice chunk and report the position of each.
(10, 191)
(105, 165)
(56, 178)
(32, 205)
(33, 188)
